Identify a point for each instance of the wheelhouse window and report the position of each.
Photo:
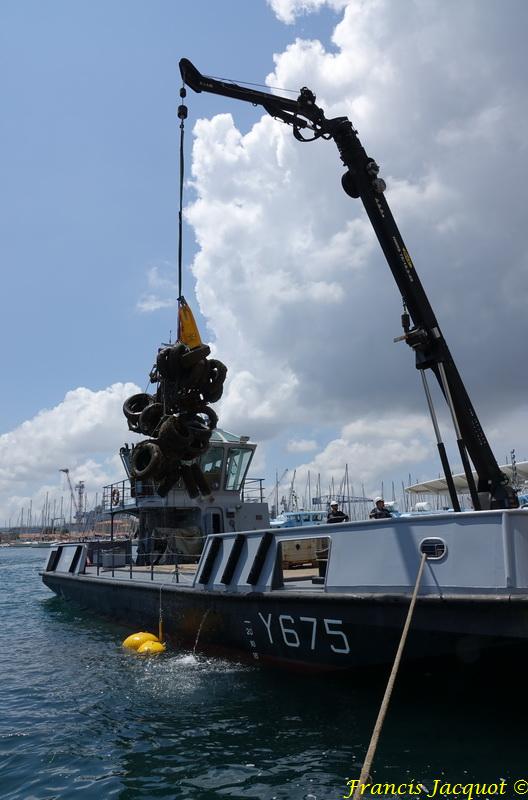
(237, 466)
(211, 463)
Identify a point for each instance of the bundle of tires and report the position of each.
(177, 418)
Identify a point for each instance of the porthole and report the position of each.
(433, 548)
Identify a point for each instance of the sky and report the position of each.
(281, 267)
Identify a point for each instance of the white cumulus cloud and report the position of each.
(289, 274)
(82, 433)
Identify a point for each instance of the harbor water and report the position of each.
(82, 717)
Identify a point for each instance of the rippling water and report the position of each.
(79, 716)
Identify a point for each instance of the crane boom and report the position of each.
(361, 180)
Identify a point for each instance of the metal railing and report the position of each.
(118, 497)
(253, 490)
(123, 560)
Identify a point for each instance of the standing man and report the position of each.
(335, 515)
(379, 511)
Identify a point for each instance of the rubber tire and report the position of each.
(214, 388)
(195, 355)
(172, 476)
(151, 461)
(174, 432)
(189, 482)
(195, 450)
(150, 419)
(193, 378)
(213, 393)
(198, 429)
(200, 480)
(212, 416)
(168, 361)
(135, 404)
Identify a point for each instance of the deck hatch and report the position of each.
(260, 557)
(232, 561)
(433, 548)
(210, 558)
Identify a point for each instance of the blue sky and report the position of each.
(293, 293)
(89, 169)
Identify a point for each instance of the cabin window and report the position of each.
(303, 560)
(237, 465)
(433, 548)
(211, 464)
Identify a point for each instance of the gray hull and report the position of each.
(303, 630)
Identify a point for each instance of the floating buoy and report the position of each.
(135, 641)
(151, 648)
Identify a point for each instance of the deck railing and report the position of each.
(120, 558)
(253, 490)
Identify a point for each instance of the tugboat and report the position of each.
(213, 564)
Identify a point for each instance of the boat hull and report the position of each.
(306, 630)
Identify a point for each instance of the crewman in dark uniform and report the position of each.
(335, 515)
(379, 511)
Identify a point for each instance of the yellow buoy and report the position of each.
(188, 332)
(135, 641)
(151, 648)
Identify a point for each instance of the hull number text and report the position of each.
(310, 631)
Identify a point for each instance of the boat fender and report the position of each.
(135, 640)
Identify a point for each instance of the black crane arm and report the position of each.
(361, 180)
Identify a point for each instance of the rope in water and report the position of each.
(365, 772)
(160, 619)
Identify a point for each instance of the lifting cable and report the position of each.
(365, 772)
(182, 115)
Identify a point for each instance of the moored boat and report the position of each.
(212, 566)
(348, 612)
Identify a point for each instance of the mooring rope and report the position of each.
(365, 772)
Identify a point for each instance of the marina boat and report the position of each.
(316, 596)
(297, 519)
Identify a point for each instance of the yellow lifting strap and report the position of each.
(188, 332)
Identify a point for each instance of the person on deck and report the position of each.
(335, 515)
(379, 511)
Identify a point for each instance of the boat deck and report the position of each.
(295, 579)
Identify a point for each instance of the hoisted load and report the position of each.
(177, 418)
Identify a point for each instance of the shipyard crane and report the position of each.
(78, 503)
(361, 180)
(292, 495)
